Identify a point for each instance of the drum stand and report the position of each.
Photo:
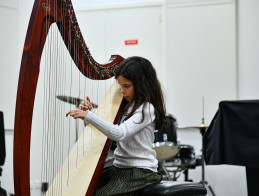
(203, 181)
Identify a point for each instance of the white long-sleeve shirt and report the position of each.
(134, 139)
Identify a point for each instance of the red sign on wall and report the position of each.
(131, 42)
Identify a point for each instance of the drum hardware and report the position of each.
(184, 161)
(163, 169)
(202, 128)
(174, 174)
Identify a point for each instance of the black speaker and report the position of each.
(2, 139)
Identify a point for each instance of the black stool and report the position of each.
(174, 188)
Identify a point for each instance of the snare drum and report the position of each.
(165, 150)
(165, 143)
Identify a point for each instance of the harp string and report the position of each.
(59, 127)
(53, 134)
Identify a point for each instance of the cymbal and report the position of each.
(73, 100)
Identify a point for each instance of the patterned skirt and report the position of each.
(125, 181)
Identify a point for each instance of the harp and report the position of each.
(44, 14)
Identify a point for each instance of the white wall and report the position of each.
(9, 59)
(248, 40)
(201, 58)
(8, 79)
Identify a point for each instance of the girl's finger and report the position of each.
(68, 113)
(81, 107)
(88, 99)
(71, 112)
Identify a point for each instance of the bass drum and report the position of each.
(165, 144)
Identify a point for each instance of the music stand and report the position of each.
(233, 137)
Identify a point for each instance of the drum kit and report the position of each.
(180, 157)
(171, 154)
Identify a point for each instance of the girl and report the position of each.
(135, 164)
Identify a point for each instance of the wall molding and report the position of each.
(8, 6)
(121, 5)
(191, 3)
(151, 3)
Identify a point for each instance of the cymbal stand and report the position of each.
(203, 129)
(203, 181)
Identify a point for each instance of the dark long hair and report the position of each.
(147, 87)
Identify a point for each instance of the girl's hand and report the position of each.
(85, 105)
(77, 113)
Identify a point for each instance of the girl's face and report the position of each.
(127, 88)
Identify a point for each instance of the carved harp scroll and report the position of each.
(45, 13)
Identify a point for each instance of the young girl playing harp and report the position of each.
(135, 164)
